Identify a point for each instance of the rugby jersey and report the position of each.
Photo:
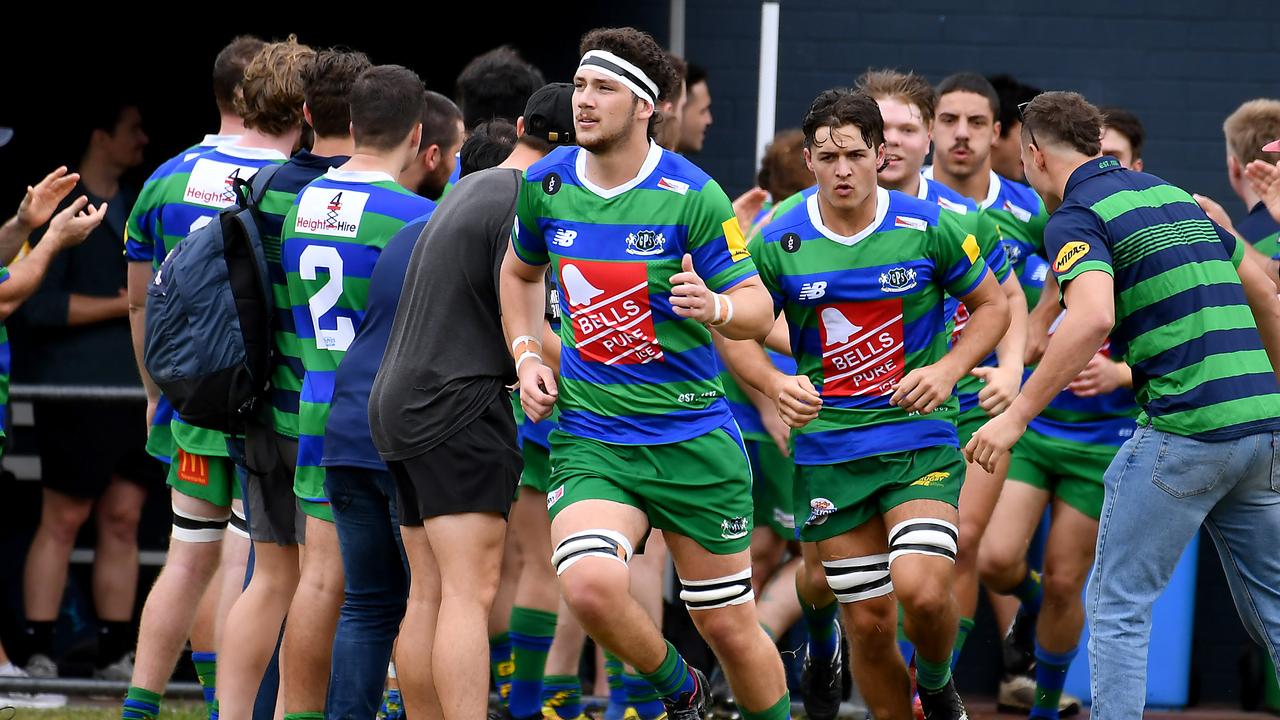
(286, 358)
(178, 199)
(1182, 321)
(332, 238)
(1019, 217)
(632, 372)
(347, 440)
(865, 310)
(982, 225)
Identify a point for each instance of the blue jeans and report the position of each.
(1159, 490)
(377, 588)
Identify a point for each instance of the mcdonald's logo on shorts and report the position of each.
(193, 468)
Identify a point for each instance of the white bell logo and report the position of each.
(838, 327)
(581, 292)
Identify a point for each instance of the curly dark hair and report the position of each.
(838, 107)
(496, 84)
(326, 84)
(640, 49)
(1065, 118)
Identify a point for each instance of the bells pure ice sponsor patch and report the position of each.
(609, 309)
(862, 349)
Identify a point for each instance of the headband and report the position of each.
(606, 63)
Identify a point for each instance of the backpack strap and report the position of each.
(260, 181)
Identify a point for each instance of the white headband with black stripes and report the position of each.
(606, 63)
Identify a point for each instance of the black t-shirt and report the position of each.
(447, 359)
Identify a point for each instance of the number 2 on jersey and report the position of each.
(315, 257)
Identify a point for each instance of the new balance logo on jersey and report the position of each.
(563, 237)
(813, 290)
(645, 242)
(897, 280)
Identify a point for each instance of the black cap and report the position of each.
(549, 114)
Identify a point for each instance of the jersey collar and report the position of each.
(646, 169)
(1091, 168)
(922, 190)
(244, 153)
(358, 176)
(212, 140)
(996, 182)
(815, 217)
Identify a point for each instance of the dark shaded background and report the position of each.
(1181, 65)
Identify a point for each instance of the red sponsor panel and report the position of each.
(609, 309)
(862, 350)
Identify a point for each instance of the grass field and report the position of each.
(104, 711)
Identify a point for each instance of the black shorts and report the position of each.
(476, 469)
(85, 443)
(274, 513)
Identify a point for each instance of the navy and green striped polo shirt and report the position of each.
(1182, 321)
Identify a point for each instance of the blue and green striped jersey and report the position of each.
(179, 198)
(865, 310)
(1182, 320)
(286, 358)
(332, 238)
(632, 372)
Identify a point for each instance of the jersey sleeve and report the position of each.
(1076, 241)
(958, 258)
(526, 236)
(719, 250)
(767, 272)
(141, 228)
(992, 248)
(1235, 249)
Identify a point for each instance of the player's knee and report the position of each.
(997, 564)
(970, 535)
(872, 623)
(594, 590)
(1061, 585)
(119, 522)
(62, 520)
(928, 598)
(811, 582)
(727, 634)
